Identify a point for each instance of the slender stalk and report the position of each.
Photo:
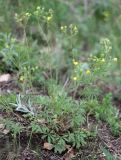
(29, 140)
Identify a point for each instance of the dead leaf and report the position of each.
(5, 77)
(2, 126)
(69, 155)
(68, 147)
(48, 146)
(41, 121)
(6, 131)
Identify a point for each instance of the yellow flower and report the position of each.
(21, 78)
(75, 62)
(27, 14)
(62, 27)
(38, 8)
(103, 60)
(7, 46)
(115, 59)
(74, 78)
(49, 18)
(106, 14)
(88, 71)
(36, 67)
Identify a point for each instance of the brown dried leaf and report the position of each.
(69, 155)
(6, 131)
(5, 77)
(48, 146)
(68, 147)
(2, 126)
(41, 121)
